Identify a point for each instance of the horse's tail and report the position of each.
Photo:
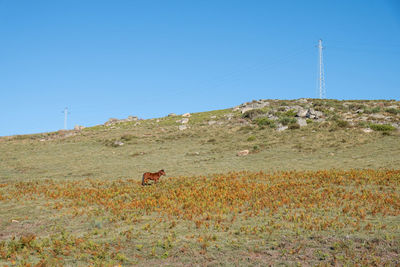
(143, 179)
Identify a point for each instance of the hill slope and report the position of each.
(74, 198)
(338, 134)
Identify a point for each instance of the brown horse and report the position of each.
(152, 176)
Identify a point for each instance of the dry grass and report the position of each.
(342, 217)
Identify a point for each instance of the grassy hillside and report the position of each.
(74, 197)
(339, 141)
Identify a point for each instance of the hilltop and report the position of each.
(303, 134)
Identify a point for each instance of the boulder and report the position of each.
(378, 116)
(302, 122)
(302, 113)
(184, 120)
(132, 118)
(171, 114)
(186, 115)
(211, 122)
(79, 128)
(111, 121)
(182, 127)
(281, 128)
(367, 130)
(243, 153)
(118, 143)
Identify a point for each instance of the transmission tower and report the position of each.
(321, 78)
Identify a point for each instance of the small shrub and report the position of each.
(342, 123)
(376, 110)
(127, 137)
(335, 117)
(291, 113)
(287, 120)
(356, 106)
(212, 140)
(363, 124)
(393, 111)
(265, 121)
(309, 121)
(111, 143)
(382, 127)
(294, 126)
(251, 114)
(251, 138)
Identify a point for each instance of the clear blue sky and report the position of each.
(149, 58)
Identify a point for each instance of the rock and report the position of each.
(367, 130)
(211, 122)
(359, 111)
(378, 116)
(243, 153)
(272, 117)
(302, 100)
(251, 105)
(79, 128)
(213, 117)
(15, 221)
(229, 116)
(319, 114)
(157, 120)
(186, 115)
(246, 109)
(171, 114)
(302, 122)
(184, 120)
(302, 113)
(281, 128)
(111, 121)
(182, 127)
(314, 114)
(132, 118)
(118, 143)
(331, 109)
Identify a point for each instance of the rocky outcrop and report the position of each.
(79, 128)
(113, 121)
(251, 105)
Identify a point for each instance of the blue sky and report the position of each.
(149, 58)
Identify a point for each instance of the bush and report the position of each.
(251, 138)
(394, 111)
(265, 121)
(287, 120)
(127, 137)
(382, 127)
(342, 124)
(291, 113)
(251, 114)
(376, 110)
(294, 126)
